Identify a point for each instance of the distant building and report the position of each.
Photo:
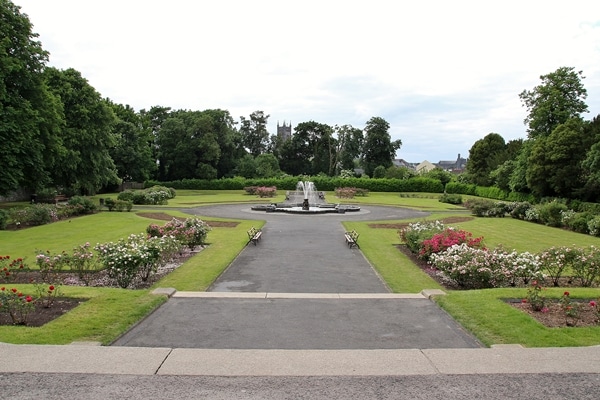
(284, 132)
(456, 167)
(399, 162)
(425, 167)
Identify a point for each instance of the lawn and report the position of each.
(110, 312)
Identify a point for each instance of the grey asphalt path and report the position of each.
(293, 323)
(300, 254)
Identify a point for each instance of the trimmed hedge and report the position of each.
(322, 183)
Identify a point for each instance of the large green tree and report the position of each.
(30, 116)
(197, 144)
(485, 156)
(350, 142)
(378, 148)
(310, 151)
(560, 96)
(255, 136)
(132, 152)
(86, 165)
(554, 165)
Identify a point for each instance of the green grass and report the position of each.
(493, 321)
(397, 270)
(110, 312)
(104, 315)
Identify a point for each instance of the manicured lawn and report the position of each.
(110, 312)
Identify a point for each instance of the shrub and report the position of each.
(594, 226)
(415, 233)
(519, 209)
(479, 207)
(451, 198)
(264, 191)
(35, 214)
(345, 192)
(449, 237)
(122, 205)
(579, 222)
(586, 267)
(110, 204)
(87, 205)
(472, 268)
(555, 260)
(551, 213)
(126, 195)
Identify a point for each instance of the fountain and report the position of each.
(305, 200)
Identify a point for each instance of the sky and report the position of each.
(442, 73)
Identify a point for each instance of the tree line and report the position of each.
(58, 131)
(560, 158)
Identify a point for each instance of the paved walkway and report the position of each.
(298, 271)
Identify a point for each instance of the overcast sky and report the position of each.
(442, 73)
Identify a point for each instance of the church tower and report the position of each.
(284, 132)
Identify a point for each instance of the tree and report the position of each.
(246, 167)
(554, 165)
(558, 98)
(591, 163)
(378, 148)
(267, 166)
(310, 151)
(188, 146)
(30, 116)
(349, 141)
(485, 156)
(86, 164)
(255, 136)
(132, 153)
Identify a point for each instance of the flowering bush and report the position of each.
(449, 237)
(555, 260)
(571, 309)
(264, 191)
(191, 232)
(10, 267)
(47, 294)
(83, 261)
(535, 297)
(415, 233)
(136, 256)
(594, 226)
(16, 304)
(586, 266)
(50, 265)
(345, 192)
(36, 214)
(470, 267)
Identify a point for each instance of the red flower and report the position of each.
(14, 290)
(566, 294)
(28, 299)
(592, 303)
(524, 301)
(3, 288)
(51, 287)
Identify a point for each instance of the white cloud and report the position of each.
(443, 74)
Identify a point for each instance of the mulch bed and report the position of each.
(43, 315)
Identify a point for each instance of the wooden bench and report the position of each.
(60, 198)
(351, 239)
(254, 235)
